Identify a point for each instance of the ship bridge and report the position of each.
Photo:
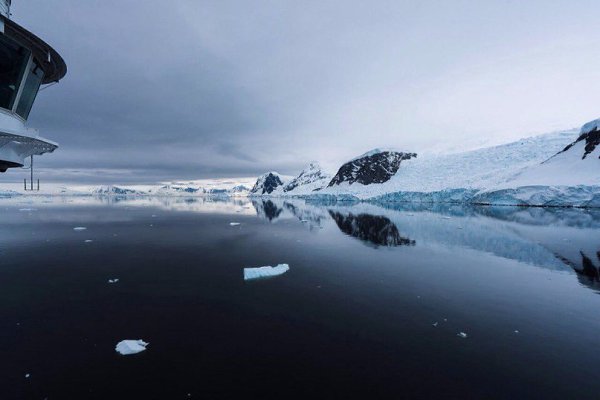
(26, 64)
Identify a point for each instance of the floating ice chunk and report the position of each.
(462, 335)
(517, 332)
(79, 228)
(304, 221)
(113, 280)
(88, 241)
(234, 223)
(127, 347)
(27, 375)
(265, 272)
(434, 324)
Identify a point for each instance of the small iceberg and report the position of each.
(234, 223)
(265, 272)
(88, 241)
(79, 228)
(113, 280)
(128, 347)
(462, 335)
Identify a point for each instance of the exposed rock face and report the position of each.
(376, 166)
(590, 133)
(266, 184)
(312, 177)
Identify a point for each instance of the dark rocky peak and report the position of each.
(267, 183)
(376, 166)
(590, 133)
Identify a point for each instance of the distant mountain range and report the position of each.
(556, 169)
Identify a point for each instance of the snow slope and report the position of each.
(569, 178)
(467, 171)
(312, 178)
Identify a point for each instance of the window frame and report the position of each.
(29, 69)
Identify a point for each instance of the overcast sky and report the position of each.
(186, 89)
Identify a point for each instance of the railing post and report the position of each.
(32, 172)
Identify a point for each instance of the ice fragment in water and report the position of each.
(113, 280)
(265, 272)
(234, 223)
(79, 228)
(462, 335)
(127, 347)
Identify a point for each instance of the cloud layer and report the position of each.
(188, 89)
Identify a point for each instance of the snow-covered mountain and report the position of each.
(376, 166)
(561, 168)
(267, 183)
(570, 177)
(556, 169)
(111, 190)
(311, 178)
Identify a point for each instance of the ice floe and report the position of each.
(113, 280)
(127, 347)
(265, 272)
(79, 228)
(234, 223)
(462, 335)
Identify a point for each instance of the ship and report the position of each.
(27, 65)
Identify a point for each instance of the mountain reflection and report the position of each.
(267, 209)
(550, 238)
(587, 272)
(377, 230)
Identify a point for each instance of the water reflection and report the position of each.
(267, 209)
(566, 240)
(587, 272)
(377, 230)
(550, 238)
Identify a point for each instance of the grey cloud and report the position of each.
(166, 90)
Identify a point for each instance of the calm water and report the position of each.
(353, 317)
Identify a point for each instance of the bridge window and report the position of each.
(13, 61)
(30, 90)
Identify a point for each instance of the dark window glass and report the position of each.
(30, 90)
(13, 60)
